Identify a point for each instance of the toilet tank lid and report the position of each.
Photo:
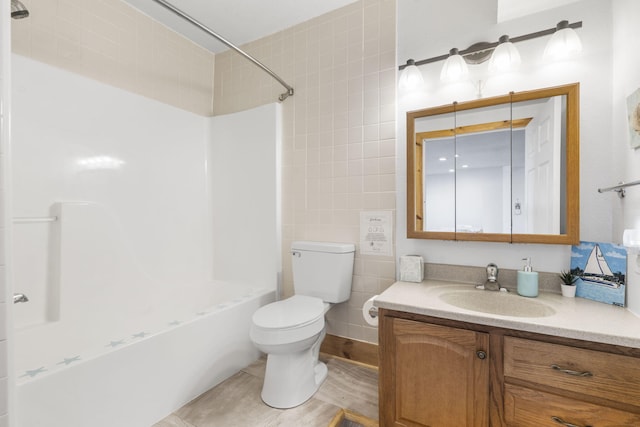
(332, 247)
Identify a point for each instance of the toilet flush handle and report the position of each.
(296, 253)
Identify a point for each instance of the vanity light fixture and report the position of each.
(480, 52)
(564, 43)
(411, 77)
(505, 56)
(455, 68)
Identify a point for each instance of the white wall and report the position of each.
(422, 33)
(626, 70)
(510, 9)
(245, 176)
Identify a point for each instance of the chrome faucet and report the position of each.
(491, 284)
(19, 298)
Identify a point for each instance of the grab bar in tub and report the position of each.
(27, 220)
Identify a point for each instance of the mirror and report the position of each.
(501, 169)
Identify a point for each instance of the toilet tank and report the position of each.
(323, 270)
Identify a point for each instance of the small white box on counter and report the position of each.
(411, 268)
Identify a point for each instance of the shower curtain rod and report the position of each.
(204, 28)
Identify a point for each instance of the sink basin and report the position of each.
(501, 303)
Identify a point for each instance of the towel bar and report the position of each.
(619, 188)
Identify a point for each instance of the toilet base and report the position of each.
(291, 379)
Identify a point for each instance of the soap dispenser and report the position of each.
(527, 280)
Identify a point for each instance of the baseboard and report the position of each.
(355, 419)
(347, 348)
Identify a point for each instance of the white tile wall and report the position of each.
(339, 133)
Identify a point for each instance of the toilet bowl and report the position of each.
(291, 331)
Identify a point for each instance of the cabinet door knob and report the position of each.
(564, 423)
(571, 372)
(481, 354)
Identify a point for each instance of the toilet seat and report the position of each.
(293, 312)
(290, 320)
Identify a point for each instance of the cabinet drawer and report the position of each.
(594, 373)
(525, 407)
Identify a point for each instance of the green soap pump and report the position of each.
(527, 280)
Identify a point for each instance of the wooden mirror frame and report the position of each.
(572, 168)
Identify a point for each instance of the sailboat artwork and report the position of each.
(598, 271)
(601, 270)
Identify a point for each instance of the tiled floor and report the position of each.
(236, 402)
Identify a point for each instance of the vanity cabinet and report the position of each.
(438, 372)
(433, 375)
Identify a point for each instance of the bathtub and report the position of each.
(83, 374)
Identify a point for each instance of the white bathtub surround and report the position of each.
(244, 169)
(6, 337)
(127, 316)
(148, 204)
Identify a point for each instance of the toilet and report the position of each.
(290, 331)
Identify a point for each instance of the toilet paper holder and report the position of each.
(373, 312)
(370, 312)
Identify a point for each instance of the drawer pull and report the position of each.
(481, 354)
(564, 423)
(570, 372)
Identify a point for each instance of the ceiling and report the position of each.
(238, 21)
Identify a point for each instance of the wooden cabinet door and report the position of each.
(433, 375)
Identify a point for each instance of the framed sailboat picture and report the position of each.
(601, 269)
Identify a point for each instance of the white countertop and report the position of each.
(576, 318)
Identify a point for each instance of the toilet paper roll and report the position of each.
(368, 305)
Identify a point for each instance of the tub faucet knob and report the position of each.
(19, 298)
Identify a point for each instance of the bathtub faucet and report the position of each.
(19, 298)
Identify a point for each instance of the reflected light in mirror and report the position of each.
(563, 44)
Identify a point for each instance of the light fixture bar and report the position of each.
(481, 47)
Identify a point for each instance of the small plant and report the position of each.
(568, 278)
